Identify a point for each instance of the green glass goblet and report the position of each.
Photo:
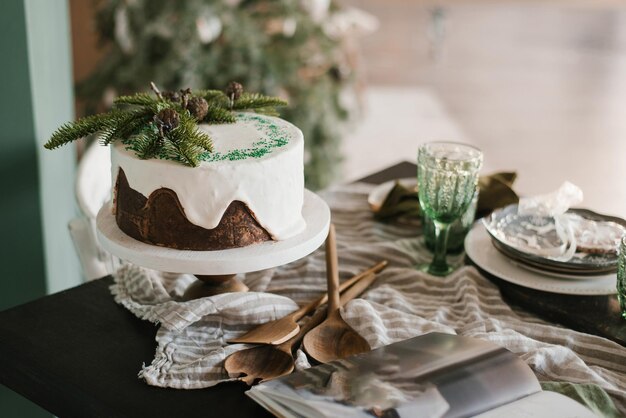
(447, 174)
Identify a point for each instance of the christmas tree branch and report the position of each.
(166, 126)
(147, 143)
(187, 153)
(189, 132)
(138, 99)
(134, 122)
(217, 114)
(201, 140)
(125, 124)
(82, 127)
(256, 101)
(211, 95)
(189, 141)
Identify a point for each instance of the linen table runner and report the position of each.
(402, 303)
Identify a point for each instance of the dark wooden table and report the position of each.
(76, 353)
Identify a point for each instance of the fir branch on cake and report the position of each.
(165, 125)
(257, 101)
(89, 125)
(126, 124)
(213, 95)
(217, 114)
(139, 99)
(147, 144)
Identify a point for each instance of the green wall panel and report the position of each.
(36, 186)
(53, 104)
(22, 271)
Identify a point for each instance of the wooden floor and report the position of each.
(539, 86)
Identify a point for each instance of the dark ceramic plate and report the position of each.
(506, 227)
(549, 268)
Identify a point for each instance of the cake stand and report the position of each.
(217, 269)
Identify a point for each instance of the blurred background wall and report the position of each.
(538, 84)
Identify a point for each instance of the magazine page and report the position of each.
(438, 375)
(541, 405)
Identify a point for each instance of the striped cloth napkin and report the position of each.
(402, 303)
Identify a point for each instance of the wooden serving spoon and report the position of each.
(333, 339)
(266, 362)
(280, 330)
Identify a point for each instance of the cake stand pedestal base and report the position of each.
(208, 285)
(216, 270)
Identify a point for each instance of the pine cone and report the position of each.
(171, 95)
(167, 120)
(335, 73)
(184, 96)
(198, 107)
(234, 90)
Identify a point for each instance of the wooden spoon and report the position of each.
(266, 362)
(333, 339)
(280, 330)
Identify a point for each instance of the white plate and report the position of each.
(377, 196)
(236, 260)
(479, 249)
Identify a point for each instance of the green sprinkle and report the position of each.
(275, 136)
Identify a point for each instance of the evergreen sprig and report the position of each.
(211, 95)
(138, 99)
(147, 143)
(89, 125)
(187, 153)
(218, 114)
(126, 124)
(157, 127)
(189, 140)
(249, 101)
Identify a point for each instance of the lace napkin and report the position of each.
(551, 204)
(574, 233)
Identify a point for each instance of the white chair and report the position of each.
(93, 189)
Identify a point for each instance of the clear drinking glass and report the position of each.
(621, 277)
(447, 174)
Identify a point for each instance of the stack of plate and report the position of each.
(497, 245)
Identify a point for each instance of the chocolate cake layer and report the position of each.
(160, 220)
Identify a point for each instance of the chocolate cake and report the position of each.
(248, 190)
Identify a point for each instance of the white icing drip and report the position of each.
(272, 185)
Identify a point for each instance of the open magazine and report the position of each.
(433, 375)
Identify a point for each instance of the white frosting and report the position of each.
(272, 185)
